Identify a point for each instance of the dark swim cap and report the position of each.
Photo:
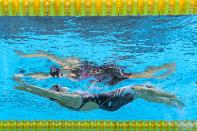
(55, 88)
(54, 72)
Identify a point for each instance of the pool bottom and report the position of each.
(98, 125)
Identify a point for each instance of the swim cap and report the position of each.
(55, 88)
(54, 72)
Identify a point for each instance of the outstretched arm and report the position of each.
(38, 76)
(152, 70)
(66, 63)
(65, 99)
(42, 54)
(36, 90)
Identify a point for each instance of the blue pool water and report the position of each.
(133, 42)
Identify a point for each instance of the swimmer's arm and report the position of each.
(67, 99)
(34, 89)
(38, 76)
(39, 91)
(42, 54)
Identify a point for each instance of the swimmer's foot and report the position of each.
(170, 65)
(177, 103)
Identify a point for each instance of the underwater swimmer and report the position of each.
(110, 101)
(75, 69)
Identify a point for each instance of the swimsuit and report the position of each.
(81, 72)
(111, 73)
(109, 101)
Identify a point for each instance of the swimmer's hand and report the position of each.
(20, 88)
(18, 52)
(18, 78)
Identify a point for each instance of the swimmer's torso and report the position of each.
(109, 73)
(109, 101)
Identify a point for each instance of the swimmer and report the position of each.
(110, 101)
(75, 69)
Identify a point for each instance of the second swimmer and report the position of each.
(75, 69)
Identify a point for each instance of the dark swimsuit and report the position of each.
(107, 101)
(111, 73)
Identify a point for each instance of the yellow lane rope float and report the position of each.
(97, 125)
(97, 7)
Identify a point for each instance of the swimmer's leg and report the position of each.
(51, 57)
(150, 71)
(154, 95)
(168, 101)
